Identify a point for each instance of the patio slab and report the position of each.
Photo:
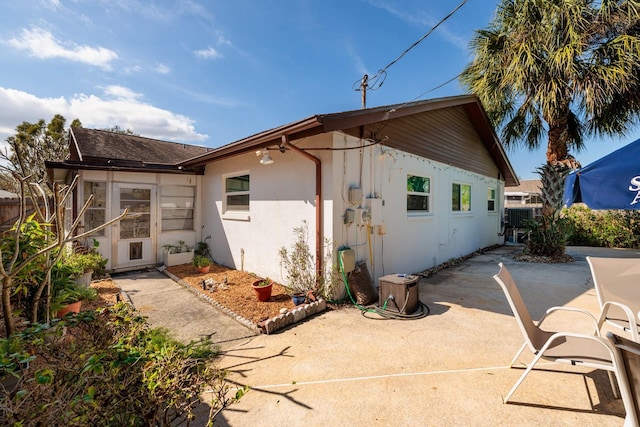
(450, 368)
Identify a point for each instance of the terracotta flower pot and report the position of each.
(262, 291)
(71, 308)
(204, 269)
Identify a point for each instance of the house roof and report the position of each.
(318, 124)
(530, 186)
(101, 149)
(101, 144)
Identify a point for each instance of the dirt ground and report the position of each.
(236, 294)
(232, 289)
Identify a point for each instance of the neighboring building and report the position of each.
(521, 202)
(407, 187)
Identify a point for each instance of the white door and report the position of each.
(134, 237)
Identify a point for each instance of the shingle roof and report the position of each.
(526, 186)
(100, 144)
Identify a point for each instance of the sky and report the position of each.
(210, 72)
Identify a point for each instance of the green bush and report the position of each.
(548, 235)
(610, 229)
(108, 368)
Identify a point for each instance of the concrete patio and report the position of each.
(450, 368)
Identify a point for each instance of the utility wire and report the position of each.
(373, 81)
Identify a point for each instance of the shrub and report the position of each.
(611, 228)
(547, 235)
(110, 368)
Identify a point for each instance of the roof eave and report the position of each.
(309, 126)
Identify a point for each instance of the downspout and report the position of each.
(314, 159)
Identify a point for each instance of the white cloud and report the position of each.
(125, 111)
(41, 44)
(133, 69)
(50, 4)
(208, 53)
(162, 69)
(121, 92)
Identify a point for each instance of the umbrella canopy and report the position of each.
(612, 182)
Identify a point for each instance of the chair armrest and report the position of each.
(571, 309)
(633, 322)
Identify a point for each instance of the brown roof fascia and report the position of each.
(126, 167)
(355, 118)
(309, 126)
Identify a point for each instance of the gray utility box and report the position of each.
(404, 289)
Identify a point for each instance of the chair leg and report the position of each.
(614, 385)
(518, 355)
(526, 372)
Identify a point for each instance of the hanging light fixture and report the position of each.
(266, 158)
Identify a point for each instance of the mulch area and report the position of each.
(232, 289)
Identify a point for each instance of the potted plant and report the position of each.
(66, 295)
(83, 265)
(202, 263)
(263, 288)
(69, 299)
(176, 254)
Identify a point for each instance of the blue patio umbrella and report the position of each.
(612, 182)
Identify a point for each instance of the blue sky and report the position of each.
(212, 72)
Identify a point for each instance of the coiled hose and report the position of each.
(382, 311)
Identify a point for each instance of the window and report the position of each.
(491, 199)
(461, 198)
(94, 216)
(137, 223)
(237, 193)
(418, 194)
(177, 206)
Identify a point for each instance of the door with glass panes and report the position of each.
(134, 236)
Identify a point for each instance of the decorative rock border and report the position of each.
(268, 326)
(298, 314)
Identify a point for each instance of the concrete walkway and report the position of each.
(448, 369)
(186, 316)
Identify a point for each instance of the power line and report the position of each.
(372, 82)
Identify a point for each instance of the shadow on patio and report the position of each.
(450, 368)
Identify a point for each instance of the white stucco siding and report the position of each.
(282, 196)
(402, 242)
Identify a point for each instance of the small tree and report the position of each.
(32, 145)
(299, 263)
(301, 272)
(16, 261)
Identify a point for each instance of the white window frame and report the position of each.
(427, 194)
(492, 198)
(189, 205)
(93, 208)
(241, 214)
(461, 209)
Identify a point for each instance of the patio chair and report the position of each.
(616, 283)
(564, 347)
(627, 359)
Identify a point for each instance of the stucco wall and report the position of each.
(282, 196)
(399, 242)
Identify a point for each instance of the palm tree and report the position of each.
(561, 69)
